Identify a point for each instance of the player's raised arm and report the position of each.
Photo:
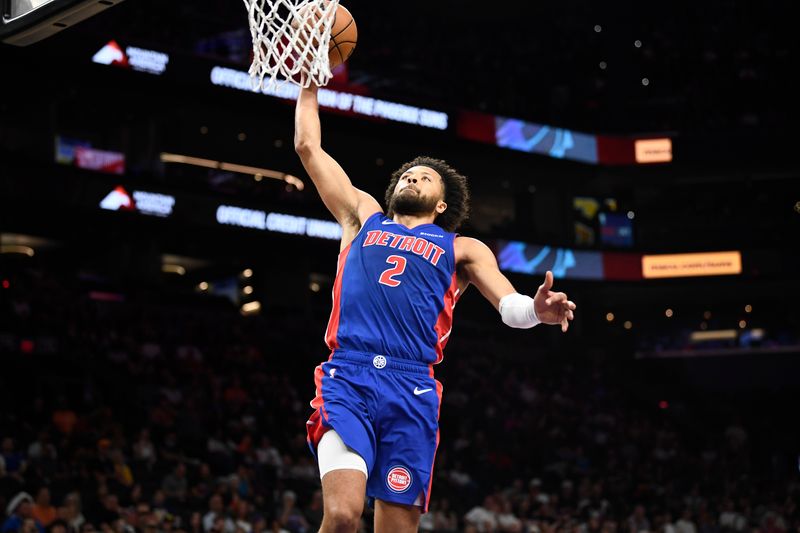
(347, 204)
(478, 265)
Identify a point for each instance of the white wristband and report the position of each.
(517, 311)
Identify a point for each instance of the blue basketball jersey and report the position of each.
(394, 292)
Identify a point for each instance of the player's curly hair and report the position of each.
(456, 191)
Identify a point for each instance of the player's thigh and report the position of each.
(343, 492)
(396, 518)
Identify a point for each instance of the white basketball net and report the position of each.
(290, 40)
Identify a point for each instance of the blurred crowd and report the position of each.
(143, 410)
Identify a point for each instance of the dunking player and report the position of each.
(375, 424)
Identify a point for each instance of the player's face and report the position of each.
(419, 191)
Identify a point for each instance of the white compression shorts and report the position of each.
(333, 454)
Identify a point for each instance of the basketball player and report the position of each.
(399, 275)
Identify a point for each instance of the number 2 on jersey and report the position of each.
(399, 266)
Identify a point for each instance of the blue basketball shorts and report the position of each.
(386, 410)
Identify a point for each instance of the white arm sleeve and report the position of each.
(517, 311)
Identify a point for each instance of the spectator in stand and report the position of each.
(215, 519)
(313, 513)
(203, 484)
(122, 472)
(665, 524)
(14, 461)
(426, 520)
(730, 520)
(42, 510)
(159, 504)
(195, 523)
(439, 517)
(267, 454)
(175, 485)
(29, 525)
(42, 448)
(773, 522)
(246, 518)
(445, 519)
(241, 482)
(109, 511)
(144, 451)
(706, 522)
(685, 524)
(507, 521)
(20, 515)
(289, 516)
(64, 418)
(59, 526)
(163, 415)
(70, 511)
(637, 521)
(484, 517)
(235, 395)
(594, 524)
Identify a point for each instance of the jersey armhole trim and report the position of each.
(366, 221)
(370, 218)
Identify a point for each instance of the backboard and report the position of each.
(25, 22)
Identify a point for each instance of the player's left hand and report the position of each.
(553, 307)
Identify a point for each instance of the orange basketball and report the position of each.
(344, 35)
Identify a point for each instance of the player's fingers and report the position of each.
(564, 325)
(570, 315)
(556, 297)
(571, 305)
(548, 281)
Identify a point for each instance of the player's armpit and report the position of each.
(477, 264)
(366, 207)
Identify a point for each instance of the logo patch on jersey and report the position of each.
(418, 391)
(398, 479)
(431, 235)
(379, 361)
(416, 245)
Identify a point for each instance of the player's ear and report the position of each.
(441, 207)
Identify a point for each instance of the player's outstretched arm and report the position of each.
(347, 204)
(479, 266)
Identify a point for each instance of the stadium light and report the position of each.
(251, 308)
(173, 269)
(16, 249)
(233, 167)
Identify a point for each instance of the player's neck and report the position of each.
(412, 221)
